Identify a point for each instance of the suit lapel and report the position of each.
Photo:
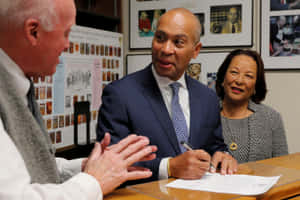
(195, 109)
(152, 93)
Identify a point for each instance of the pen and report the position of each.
(189, 148)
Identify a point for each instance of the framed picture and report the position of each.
(280, 34)
(204, 68)
(136, 62)
(209, 64)
(224, 23)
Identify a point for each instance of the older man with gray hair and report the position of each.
(33, 33)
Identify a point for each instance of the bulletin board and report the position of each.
(93, 60)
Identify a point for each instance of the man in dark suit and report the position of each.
(144, 103)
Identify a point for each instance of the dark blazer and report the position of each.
(134, 104)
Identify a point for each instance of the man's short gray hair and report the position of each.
(15, 12)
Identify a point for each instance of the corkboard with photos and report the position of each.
(93, 60)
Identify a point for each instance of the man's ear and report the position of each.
(197, 49)
(32, 30)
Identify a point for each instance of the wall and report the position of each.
(283, 86)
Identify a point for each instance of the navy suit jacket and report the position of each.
(134, 104)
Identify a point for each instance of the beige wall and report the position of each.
(283, 86)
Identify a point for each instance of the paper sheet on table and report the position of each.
(233, 184)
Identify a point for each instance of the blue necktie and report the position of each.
(178, 118)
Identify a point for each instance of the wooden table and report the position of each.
(287, 186)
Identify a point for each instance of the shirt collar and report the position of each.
(164, 82)
(16, 72)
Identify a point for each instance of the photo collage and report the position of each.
(93, 60)
(110, 55)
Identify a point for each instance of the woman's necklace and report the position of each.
(233, 145)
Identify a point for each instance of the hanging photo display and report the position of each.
(93, 60)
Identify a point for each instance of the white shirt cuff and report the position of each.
(163, 169)
(88, 185)
(68, 168)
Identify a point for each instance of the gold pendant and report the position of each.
(233, 146)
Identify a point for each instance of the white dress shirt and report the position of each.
(167, 93)
(14, 176)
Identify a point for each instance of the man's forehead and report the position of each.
(172, 34)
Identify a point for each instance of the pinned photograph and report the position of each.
(67, 101)
(58, 137)
(61, 121)
(82, 48)
(55, 122)
(211, 80)
(49, 107)
(49, 92)
(36, 93)
(67, 120)
(49, 124)
(194, 71)
(42, 108)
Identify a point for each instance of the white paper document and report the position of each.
(233, 184)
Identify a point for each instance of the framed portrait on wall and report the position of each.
(227, 23)
(224, 23)
(280, 34)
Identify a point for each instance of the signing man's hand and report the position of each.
(191, 164)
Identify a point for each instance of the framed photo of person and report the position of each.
(227, 23)
(280, 34)
(144, 15)
(224, 23)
